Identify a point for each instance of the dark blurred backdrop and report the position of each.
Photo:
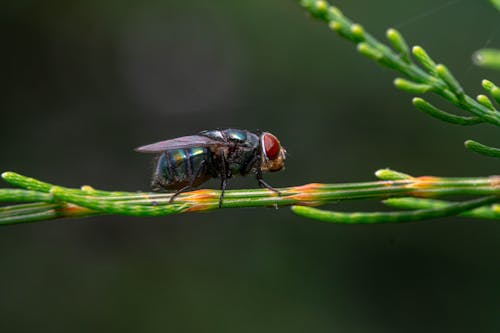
(84, 82)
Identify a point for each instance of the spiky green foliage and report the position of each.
(496, 3)
(422, 73)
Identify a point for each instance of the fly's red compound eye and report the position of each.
(271, 146)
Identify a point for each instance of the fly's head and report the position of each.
(272, 153)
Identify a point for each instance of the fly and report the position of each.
(189, 161)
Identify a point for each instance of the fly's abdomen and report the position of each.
(177, 168)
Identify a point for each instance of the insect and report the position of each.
(188, 161)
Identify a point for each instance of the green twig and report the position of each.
(13, 195)
(52, 201)
(486, 212)
(433, 111)
(392, 217)
(482, 149)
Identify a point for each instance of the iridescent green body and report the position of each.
(177, 168)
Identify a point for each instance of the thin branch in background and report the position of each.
(423, 74)
(392, 217)
(485, 212)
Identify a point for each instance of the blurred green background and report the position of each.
(84, 82)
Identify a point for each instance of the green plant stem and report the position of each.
(482, 149)
(56, 202)
(392, 217)
(14, 195)
(39, 211)
(433, 111)
(486, 212)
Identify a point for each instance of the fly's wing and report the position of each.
(178, 143)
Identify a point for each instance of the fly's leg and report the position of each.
(191, 182)
(179, 191)
(222, 189)
(262, 182)
(223, 178)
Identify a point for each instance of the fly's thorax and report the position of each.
(243, 160)
(238, 150)
(239, 159)
(233, 136)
